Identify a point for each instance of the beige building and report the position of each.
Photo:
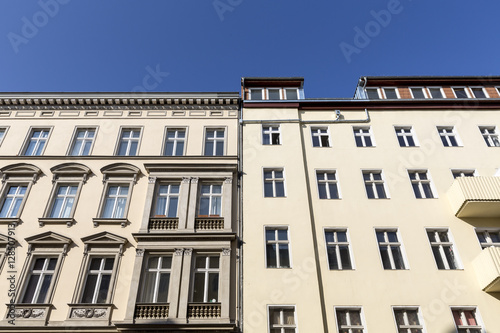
(373, 214)
(118, 212)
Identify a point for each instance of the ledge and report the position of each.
(475, 197)
(99, 220)
(28, 314)
(50, 220)
(89, 314)
(10, 220)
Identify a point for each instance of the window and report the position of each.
(374, 184)
(167, 199)
(39, 280)
(467, 320)
(291, 94)
(436, 93)
(327, 184)
(174, 143)
(210, 200)
(3, 131)
(64, 200)
(156, 279)
(320, 137)
(35, 145)
(479, 92)
(349, 320)
(256, 94)
(13, 200)
(363, 137)
(417, 92)
(408, 320)
(390, 249)
(442, 248)
(372, 93)
(277, 251)
(421, 184)
(337, 249)
(115, 201)
(490, 135)
(282, 319)
(271, 135)
(448, 136)
(98, 280)
(461, 92)
(463, 173)
(390, 93)
(206, 279)
(274, 93)
(405, 136)
(488, 238)
(129, 142)
(274, 183)
(82, 142)
(214, 142)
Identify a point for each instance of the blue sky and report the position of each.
(208, 45)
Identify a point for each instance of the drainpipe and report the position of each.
(239, 238)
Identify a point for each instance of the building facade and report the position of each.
(119, 212)
(372, 214)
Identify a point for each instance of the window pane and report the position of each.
(291, 94)
(280, 189)
(44, 289)
(271, 255)
(385, 257)
(256, 94)
(322, 191)
(209, 148)
(180, 148)
(163, 288)
(204, 206)
(103, 289)
(198, 287)
(169, 148)
(149, 287)
(417, 93)
(213, 287)
(172, 209)
(282, 234)
(283, 253)
(219, 151)
(332, 258)
(31, 288)
(390, 93)
(90, 286)
(344, 257)
(437, 256)
(274, 93)
(268, 189)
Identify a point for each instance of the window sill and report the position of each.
(29, 314)
(50, 220)
(100, 220)
(10, 220)
(90, 314)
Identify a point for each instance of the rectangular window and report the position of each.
(206, 279)
(405, 136)
(390, 249)
(337, 249)
(479, 92)
(463, 173)
(174, 142)
(39, 280)
(274, 183)
(390, 93)
(282, 319)
(349, 320)
(277, 251)
(488, 238)
(374, 184)
(82, 142)
(442, 248)
(467, 320)
(408, 320)
(417, 92)
(490, 135)
(461, 92)
(271, 135)
(327, 184)
(291, 94)
(167, 200)
(36, 143)
(320, 137)
(156, 279)
(256, 94)
(274, 94)
(13, 200)
(210, 200)
(115, 201)
(129, 142)
(435, 93)
(98, 280)
(64, 200)
(421, 184)
(214, 142)
(448, 136)
(363, 136)
(372, 93)
(3, 130)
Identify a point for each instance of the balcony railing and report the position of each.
(151, 311)
(209, 223)
(487, 266)
(204, 310)
(163, 223)
(475, 197)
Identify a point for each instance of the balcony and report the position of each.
(487, 266)
(204, 310)
(151, 311)
(163, 223)
(209, 223)
(475, 197)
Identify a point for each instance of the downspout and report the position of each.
(239, 244)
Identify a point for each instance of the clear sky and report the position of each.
(208, 45)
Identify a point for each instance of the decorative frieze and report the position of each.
(82, 313)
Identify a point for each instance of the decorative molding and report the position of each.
(178, 252)
(89, 313)
(139, 252)
(30, 313)
(151, 180)
(228, 180)
(226, 252)
(186, 180)
(188, 252)
(194, 180)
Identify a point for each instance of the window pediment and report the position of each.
(21, 170)
(105, 238)
(71, 170)
(120, 170)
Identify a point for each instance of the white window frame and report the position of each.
(377, 89)
(327, 182)
(440, 89)
(398, 96)
(277, 242)
(362, 136)
(388, 244)
(424, 92)
(27, 141)
(281, 326)
(54, 196)
(211, 195)
(100, 272)
(487, 235)
(5, 130)
(443, 132)
(84, 139)
(316, 131)
(206, 271)
(116, 198)
(280, 91)
(158, 271)
(16, 196)
(440, 245)
(41, 273)
(485, 92)
(336, 243)
(297, 91)
(349, 327)
(215, 140)
(270, 131)
(373, 183)
(488, 136)
(406, 326)
(262, 90)
(463, 173)
(420, 183)
(129, 140)
(169, 195)
(175, 140)
(405, 135)
(477, 317)
(467, 92)
(273, 180)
